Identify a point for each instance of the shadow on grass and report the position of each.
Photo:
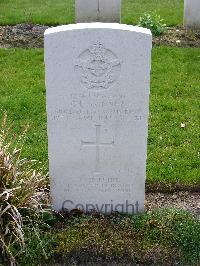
(161, 237)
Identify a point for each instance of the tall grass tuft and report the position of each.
(20, 187)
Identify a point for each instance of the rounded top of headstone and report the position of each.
(97, 25)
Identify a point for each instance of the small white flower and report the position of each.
(183, 125)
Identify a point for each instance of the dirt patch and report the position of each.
(184, 200)
(82, 257)
(32, 36)
(169, 187)
(22, 35)
(179, 37)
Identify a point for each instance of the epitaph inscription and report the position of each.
(97, 67)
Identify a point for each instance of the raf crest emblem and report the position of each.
(97, 67)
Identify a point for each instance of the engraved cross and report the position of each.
(98, 144)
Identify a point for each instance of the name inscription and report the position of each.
(94, 106)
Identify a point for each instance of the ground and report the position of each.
(32, 36)
(182, 200)
(168, 232)
(162, 237)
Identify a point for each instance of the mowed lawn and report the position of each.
(173, 151)
(51, 12)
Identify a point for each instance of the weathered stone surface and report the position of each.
(98, 10)
(97, 81)
(192, 14)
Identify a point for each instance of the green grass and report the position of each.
(49, 12)
(162, 237)
(169, 10)
(52, 12)
(173, 152)
(23, 97)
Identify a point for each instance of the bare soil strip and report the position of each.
(183, 200)
(32, 36)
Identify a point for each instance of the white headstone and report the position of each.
(192, 14)
(97, 81)
(98, 10)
